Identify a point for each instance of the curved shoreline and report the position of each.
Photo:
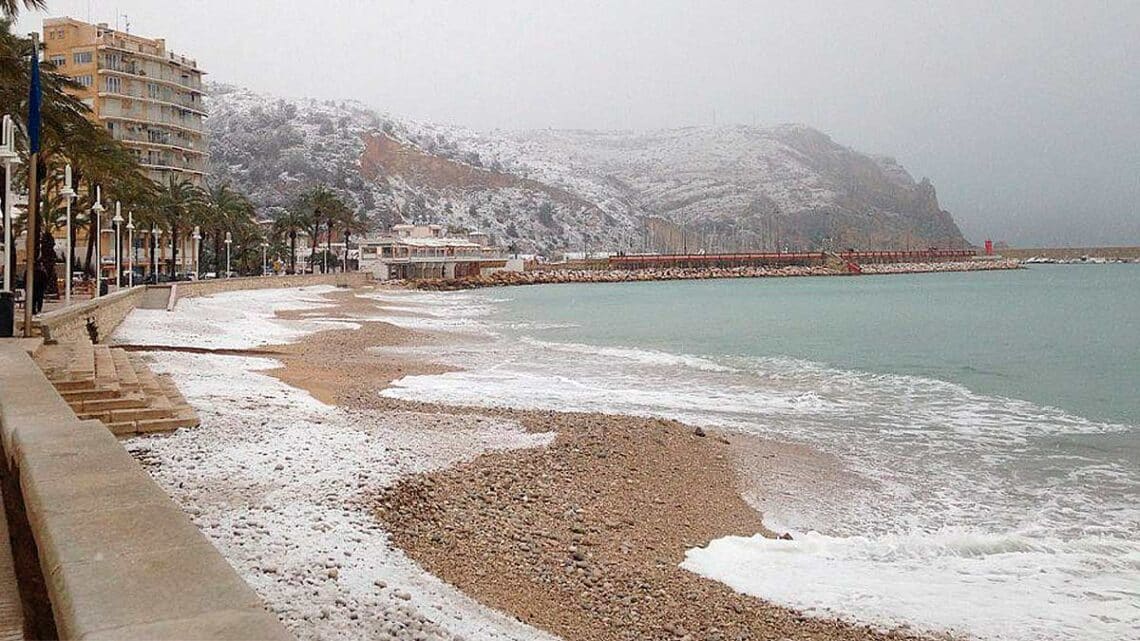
(341, 507)
(583, 537)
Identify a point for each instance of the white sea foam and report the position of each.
(972, 518)
(994, 586)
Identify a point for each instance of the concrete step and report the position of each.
(167, 424)
(73, 396)
(105, 370)
(170, 390)
(128, 378)
(82, 360)
(127, 401)
(72, 386)
(143, 414)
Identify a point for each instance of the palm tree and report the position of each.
(354, 224)
(11, 8)
(325, 206)
(225, 211)
(67, 134)
(288, 223)
(178, 202)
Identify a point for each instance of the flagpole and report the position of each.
(34, 101)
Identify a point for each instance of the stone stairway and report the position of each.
(116, 387)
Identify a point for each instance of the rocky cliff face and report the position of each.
(546, 191)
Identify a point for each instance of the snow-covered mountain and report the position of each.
(716, 187)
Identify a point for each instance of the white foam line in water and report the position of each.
(975, 516)
(1006, 586)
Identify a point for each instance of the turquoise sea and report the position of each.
(991, 421)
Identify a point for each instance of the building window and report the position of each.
(58, 61)
(83, 81)
(81, 57)
(114, 85)
(152, 90)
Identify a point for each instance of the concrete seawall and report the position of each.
(117, 557)
(110, 554)
(99, 317)
(101, 314)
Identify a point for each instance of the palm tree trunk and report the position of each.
(90, 248)
(217, 253)
(293, 250)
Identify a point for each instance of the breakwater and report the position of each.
(554, 276)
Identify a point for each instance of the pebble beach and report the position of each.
(359, 516)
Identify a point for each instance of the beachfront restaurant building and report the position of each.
(426, 251)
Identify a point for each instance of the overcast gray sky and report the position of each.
(1022, 113)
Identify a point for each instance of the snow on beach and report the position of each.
(230, 320)
(276, 478)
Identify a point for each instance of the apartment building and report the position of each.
(146, 96)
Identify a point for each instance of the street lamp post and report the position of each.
(97, 214)
(197, 249)
(10, 159)
(264, 266)
(118, 220)
(229, 241)
(68, 195)
(131, 253)
(155, 233)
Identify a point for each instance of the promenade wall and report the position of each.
(190, 289)
(118, 559)
(102, 315)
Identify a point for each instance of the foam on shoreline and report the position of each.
(961, 492)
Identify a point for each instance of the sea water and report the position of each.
(992, 420)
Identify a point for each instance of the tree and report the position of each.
(287, 224)
(67, 135)
(11, 8)
(321, 205)
(225, 211)
(179, 201)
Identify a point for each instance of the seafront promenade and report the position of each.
(99, 549)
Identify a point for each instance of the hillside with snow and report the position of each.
(547, 191)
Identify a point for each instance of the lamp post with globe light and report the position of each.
(131, 252)
(97, 213)
(118, 220)
(229, 241)
(9, 157)
(264, 265)
(68, 195)
(197, 237)
(154, 235)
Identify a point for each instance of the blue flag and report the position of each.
(35, 102)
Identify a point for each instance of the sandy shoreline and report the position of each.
(573, 523)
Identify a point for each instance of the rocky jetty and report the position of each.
(553, 276)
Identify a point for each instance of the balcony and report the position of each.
(188, 105)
